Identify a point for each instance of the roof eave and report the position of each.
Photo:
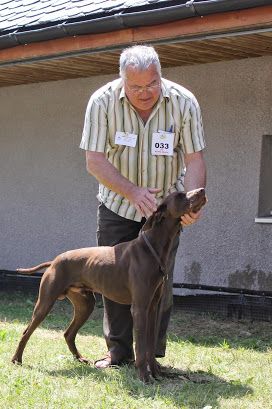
(126, 20)
(196, 28)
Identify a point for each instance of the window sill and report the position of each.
(263, 220)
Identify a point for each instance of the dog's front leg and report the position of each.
(152, 327)
(139, 314)
(151, 330)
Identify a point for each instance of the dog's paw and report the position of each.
(16, 361)
(144, 375)
(84, 360)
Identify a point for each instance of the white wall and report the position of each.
(48, 201)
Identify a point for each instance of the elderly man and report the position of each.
(141, 133)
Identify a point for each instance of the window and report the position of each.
(265, 185)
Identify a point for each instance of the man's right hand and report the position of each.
(143, 199)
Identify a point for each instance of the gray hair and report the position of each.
(139, 57)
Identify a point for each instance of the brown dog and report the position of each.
(128, 273)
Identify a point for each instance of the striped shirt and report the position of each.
(109, 111)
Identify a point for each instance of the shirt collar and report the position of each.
(122, 92)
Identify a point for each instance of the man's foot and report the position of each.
(103, 363)
(110, 362)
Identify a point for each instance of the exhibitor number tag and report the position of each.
(162, 143)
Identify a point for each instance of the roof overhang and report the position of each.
(202, 39)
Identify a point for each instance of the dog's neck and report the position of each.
(161, 236)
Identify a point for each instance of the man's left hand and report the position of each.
(190, 218)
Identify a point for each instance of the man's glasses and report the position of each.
(149, 88)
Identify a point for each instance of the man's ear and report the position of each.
(156, 217)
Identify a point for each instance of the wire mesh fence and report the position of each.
(227, 306)
(235, 303)
(226, 302)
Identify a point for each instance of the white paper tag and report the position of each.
(126, 138)
(162, 143)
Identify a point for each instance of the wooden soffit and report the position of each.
(218, 37)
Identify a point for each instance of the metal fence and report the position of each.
(236, 303)
(233, 303)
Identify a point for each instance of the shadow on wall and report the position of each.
(251, 278)
(193, 273)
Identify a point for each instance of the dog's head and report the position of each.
(176, 205)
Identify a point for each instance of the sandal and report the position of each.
(109, 362)
(105, 362)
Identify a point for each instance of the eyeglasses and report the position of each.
(149, 88)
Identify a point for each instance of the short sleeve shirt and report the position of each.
(109, 111)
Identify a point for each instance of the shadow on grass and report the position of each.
(207, 330)
(194, 389)
(179, 387)
(213, 331)
(256, 343)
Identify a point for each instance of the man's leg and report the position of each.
(118, 326)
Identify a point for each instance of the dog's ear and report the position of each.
(156, 217)
(149, 223)
(161, 213)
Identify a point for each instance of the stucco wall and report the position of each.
(48, 201)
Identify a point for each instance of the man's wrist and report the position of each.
(130, 191)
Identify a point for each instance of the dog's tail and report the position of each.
(33, 269)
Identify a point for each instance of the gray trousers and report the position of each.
(118, 326)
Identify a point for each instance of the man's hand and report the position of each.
(143, 199)
(190, 218)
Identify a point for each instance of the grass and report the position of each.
(216, 363)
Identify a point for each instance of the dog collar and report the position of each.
(155, 254)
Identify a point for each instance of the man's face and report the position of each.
(143, 87)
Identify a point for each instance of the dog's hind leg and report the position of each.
(83, 304)
(40, 312)
(48, 293)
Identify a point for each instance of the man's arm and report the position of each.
(142, 198)
(195, 177)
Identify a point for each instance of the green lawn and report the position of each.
(216, 363)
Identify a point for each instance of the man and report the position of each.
(140, 133)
